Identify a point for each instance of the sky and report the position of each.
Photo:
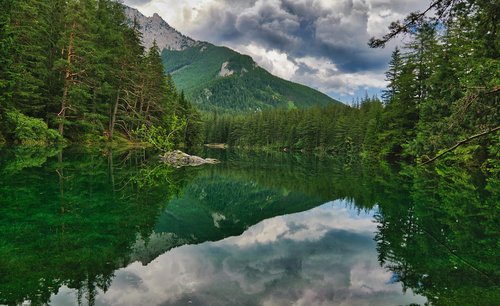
(318, 43)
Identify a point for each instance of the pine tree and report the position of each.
(155, 89)
(28, 71)
(5, 58)
(130, 70)
(75, 64)
(392, 76)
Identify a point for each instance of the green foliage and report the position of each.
(77, 66)
(25, 157)
(443, 86)
(162, 137)
(336, 129)
(28, 130)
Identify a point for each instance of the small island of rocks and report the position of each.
(180, 159)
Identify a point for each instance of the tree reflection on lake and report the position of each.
(118, 228)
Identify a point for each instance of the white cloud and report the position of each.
(320, 220)
(180, 14)
(322, 74)
(274, 61)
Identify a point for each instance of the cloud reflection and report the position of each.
(325, 256)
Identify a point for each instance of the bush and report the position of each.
(29, 130)
(162, 137)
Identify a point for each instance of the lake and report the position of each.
(102, 227)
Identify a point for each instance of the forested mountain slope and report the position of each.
(218, 78)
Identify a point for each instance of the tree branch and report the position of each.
(461, 143)
(65, 108)
(398, 27)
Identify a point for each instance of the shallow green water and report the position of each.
(118, 228)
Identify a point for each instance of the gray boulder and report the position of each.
(180, 159)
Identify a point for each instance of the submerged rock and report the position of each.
(180, 159)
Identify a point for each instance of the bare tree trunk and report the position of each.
(113, 116)
(147, 108)
(141, 104)
(62, 202)
(67, 82)
(111, 169)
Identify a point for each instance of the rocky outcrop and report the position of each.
(180, 159)
(225, 70)
(155, 28)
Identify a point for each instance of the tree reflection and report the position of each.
(72, 219)
(441, 237)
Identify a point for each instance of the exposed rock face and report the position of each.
(180, 159)
(155, 28)
(225, 71)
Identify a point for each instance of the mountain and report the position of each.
(220, 79)
(155, 28)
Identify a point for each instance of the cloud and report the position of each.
(288, 31)
(337, 30)
(322, 74)
(275, 61)
(136, 2)
(324, 256)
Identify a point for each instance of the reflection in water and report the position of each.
(67, 219)
(325, 256)
(117, 227)
(214, 206)
(442, 240)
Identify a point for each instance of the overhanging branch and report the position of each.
(462, 142)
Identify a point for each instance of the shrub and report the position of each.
(28, 130)
(162, 137)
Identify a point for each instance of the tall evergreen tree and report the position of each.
(392, 76)
(5, 56)
(29, 56)
(76, 62)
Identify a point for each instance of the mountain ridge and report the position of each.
(218, 78)
(156, 28)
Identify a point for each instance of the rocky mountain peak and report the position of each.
(155, 28)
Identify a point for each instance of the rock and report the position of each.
(216, 145)
(180, 159)
(156, 29)
(225, 71)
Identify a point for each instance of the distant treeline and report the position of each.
(442, 96)
(76, 69)
(334, 129)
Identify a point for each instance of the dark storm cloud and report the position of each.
(299, 28)
(319, 43)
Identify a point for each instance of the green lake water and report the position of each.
(91, 227)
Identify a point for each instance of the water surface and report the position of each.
(118, 228)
